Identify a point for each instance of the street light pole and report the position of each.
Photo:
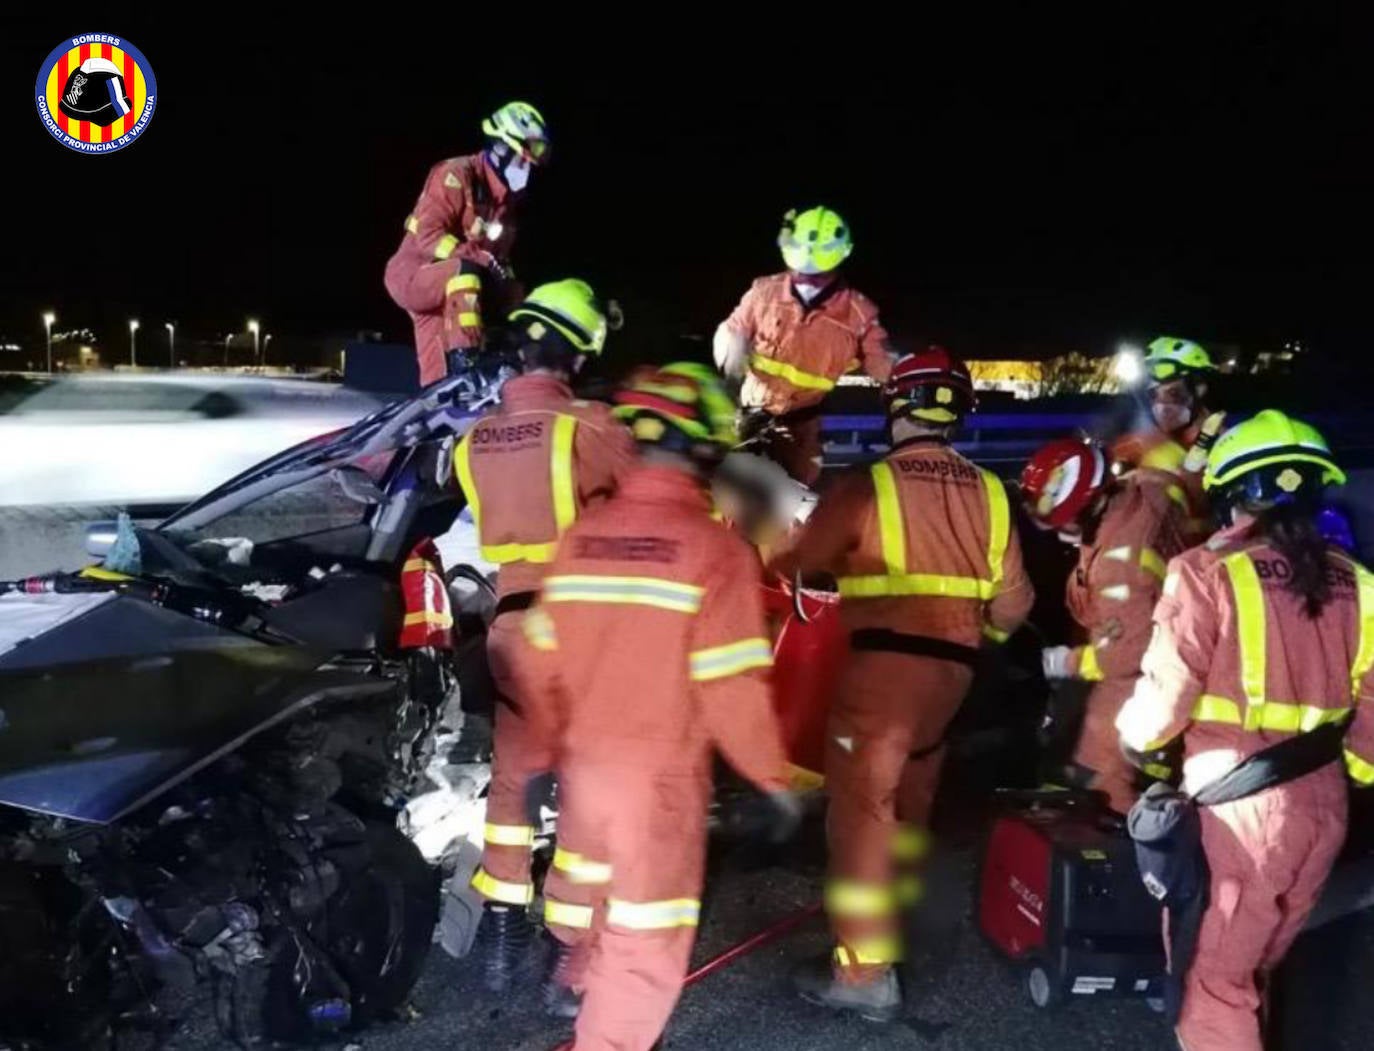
(133, 342)
(171, 344)
(266, 342)
(255, 328)
(227, 339)
(48, 319)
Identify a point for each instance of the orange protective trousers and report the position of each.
(889, 707)
(1269, 857)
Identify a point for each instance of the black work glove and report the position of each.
(773, 818)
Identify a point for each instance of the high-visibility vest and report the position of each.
(1255, 710)
(899, 578)
(563, 495)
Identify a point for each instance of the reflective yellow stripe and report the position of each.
(793, 375)
(1089, 670)
(1213, 709)
(1178, 496)
(418, 565)
(1364, 654)
(561, 914)
(508, 835)
(873, 952)
(463, 283)
(1116, 592)
(412, 225)
(468, 319)
(909, 889)
(1275, 716)
(910, 843)
(580, 869)
(999, 521)
(892, 533)
(539, 631)
(653, 915)
(634, 591)
(433, 617)
(858, 900)
(1152, 563)
(915, 584)
(1157, 771)
(1118, 554)
(462, 466)
(718, 662)
(502, 554)
(995, 634)
(1167, 456)
(1361, 772)
(445, 246)
(891, 528)
(498, 890)
(1245, 585)
(561, 472)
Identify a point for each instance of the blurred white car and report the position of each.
(158, 440)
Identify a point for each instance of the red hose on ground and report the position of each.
(755, 941)
(769, 934)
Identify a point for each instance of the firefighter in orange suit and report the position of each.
(651, 629)
(454, 258)
(928, 566)
(1126, 530)
(795, 334)
(528, 469)
(1264, 633)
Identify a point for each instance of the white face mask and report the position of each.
(517, 173)
(806, 291)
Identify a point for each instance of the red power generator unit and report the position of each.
(1061, 895)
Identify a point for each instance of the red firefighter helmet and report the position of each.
(1062, 480)
(932, 386)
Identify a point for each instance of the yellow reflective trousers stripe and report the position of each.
(445, 246)
(653, 915)
(874, 952)
(562, 914)
(500, 891)
(508, 835)
(858, 900)
(579, 869)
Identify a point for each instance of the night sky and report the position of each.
(1012, 185)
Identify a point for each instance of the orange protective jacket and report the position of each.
(1120, 575)
(1155, 450)
(531, 466)
(463, 204)
(921, 543)
(1236, 664)
(801, 349)
(651, 624)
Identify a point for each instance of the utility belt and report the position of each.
(1167, 830)
(885, 640)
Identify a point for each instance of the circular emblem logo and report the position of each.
(96, 93)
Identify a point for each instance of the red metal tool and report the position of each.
(764, 937)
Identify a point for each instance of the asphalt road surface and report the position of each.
(960, 995)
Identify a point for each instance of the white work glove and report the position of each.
(1055, 662)
(731, 351)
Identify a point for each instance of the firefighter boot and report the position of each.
(877, 1000)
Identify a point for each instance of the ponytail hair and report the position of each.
(1292, 529)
